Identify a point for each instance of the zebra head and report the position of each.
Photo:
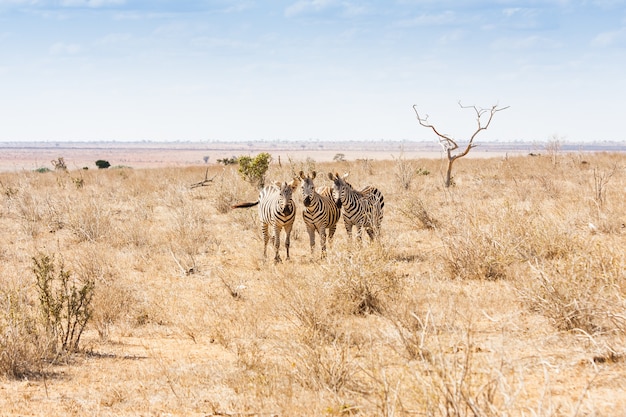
(340, 186)
(285, 195)
(308, 188)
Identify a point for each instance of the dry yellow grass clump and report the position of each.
(501, 295)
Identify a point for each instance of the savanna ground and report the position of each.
(502, 295)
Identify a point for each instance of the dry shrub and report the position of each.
(366, 281)
(307, 305)
(226, 191)
(30, 212)
(322, 354)
(579, 293)
(331, 366)
(452, 376)
(458, 382)
(24, 345)
(112, 303)
(544, 236)
(417, 214)
(113, 299)
(89, 219)
(486, 242)
(187, 234)
(477, 251)
(404, 171)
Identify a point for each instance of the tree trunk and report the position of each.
(449, 173)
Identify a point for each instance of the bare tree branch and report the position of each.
(450, 144)
(447, 142)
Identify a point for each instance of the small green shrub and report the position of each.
(65, 302)
(253, 170)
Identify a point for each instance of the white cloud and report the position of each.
(612, 38)
(18, 2)
(114, 38)
(309, 6)
(452, 36)
(91, 3)
(215, 42)
(528, 42)
(444, 18)
(61, 48)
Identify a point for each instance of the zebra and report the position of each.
(320, 211)
(276, 210)
(363, 209)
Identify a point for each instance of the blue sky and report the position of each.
(310, 69)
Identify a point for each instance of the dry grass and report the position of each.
(503, 295)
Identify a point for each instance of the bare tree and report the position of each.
(483, 119)
(59, 164)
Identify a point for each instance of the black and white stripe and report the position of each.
(363, 209)
(277, 211)
(320, 211)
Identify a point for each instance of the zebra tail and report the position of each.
(244, 205)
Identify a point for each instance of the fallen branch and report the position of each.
(205, 181)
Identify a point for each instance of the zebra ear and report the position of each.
(313, 174)
(293, 184)
(330, 176)
(302, 175)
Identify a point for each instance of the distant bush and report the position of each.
(102, 164)
(228, 161)
(340, 157)
(43, 170)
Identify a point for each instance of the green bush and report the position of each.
(102, 164)
(254, 169)
(65, 302)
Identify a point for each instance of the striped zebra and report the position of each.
(277, 211)
(320, 211)
(363, 209)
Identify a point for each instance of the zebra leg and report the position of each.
(323, 240)
(288, 238)
(349, 230)
(311, 231)
(277, 244)
(359, 230)
(266, 238)
(331, 232)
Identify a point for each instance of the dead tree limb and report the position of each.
(206, 181)
(450, 145)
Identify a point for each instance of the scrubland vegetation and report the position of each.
(128, 292)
